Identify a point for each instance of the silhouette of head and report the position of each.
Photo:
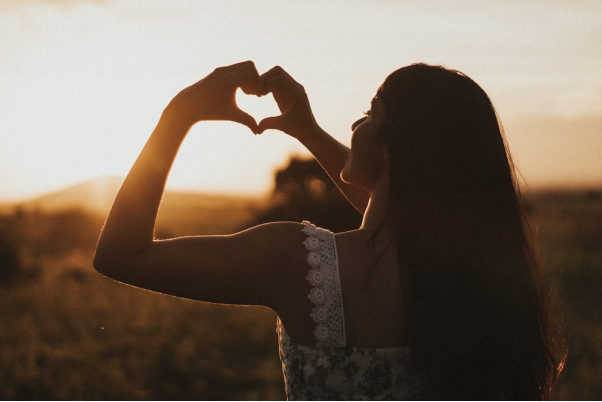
(442, 134)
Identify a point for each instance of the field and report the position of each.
(568, 233)
(69, 333)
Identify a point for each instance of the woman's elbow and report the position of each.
(116, 262)
(106, 262)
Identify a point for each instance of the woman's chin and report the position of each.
(345, 175)
(348, 178)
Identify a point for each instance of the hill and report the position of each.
(94, 195)
(181, 212)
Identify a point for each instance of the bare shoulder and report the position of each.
(287, 268)
(353, 240)
(279, 231)
(277, 238)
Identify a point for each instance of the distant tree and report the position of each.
(303, 191)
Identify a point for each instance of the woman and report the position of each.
(436, 295)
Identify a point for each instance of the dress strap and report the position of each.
(326, 286)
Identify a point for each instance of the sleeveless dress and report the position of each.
(331, 370)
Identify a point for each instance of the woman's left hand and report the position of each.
(214, 97)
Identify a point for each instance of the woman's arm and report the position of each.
(130, 224)
(332, 156)
(232, 269)
(298, 121)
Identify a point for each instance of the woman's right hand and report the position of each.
(296, 117)
(297, 120)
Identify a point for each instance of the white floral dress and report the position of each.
(331, 370)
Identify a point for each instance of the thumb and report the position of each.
(270, 123)
(246, 119)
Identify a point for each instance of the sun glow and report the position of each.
(84, 83)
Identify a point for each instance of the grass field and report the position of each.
(568, 226)
(68, 333)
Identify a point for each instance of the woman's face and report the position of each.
(367, 158)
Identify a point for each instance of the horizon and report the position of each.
(525, 189)
(114, 180)
(85, 82)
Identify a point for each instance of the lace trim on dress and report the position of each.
(326, 290)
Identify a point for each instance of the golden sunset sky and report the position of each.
(84, 82)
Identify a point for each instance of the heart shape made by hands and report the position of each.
(258, 107)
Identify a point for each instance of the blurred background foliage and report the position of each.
(69, 333)
(303, 191)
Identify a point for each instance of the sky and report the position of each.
(83, 83)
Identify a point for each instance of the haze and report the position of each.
(84, 83)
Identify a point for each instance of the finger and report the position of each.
(285, 90)
(244, 118)
(246, 77)
(272, 72)
(285, 93)
(245, 65)
(269, 75)
(274, 80)
(253, 86)
(243, 75)
(275, 83)
(270, 123)
(281, 76)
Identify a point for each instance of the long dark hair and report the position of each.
(475, 306)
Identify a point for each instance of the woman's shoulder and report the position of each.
(277, 233)
(284, 240)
